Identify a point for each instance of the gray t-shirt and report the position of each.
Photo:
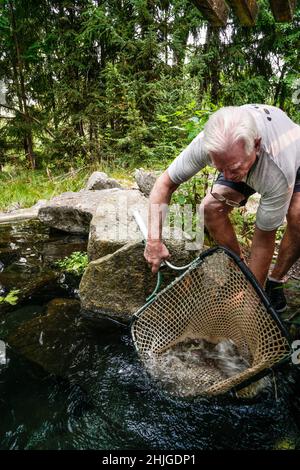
(273, 175)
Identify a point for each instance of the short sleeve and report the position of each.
(273, 209)
(191, 160)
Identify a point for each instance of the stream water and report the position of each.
(70, 382)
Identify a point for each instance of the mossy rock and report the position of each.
(48, 340)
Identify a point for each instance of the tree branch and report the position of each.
(10, 108)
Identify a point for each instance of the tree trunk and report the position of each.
(50, 75)
(211, 78)
(280, 86)
(20, 85)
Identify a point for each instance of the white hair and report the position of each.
(226, 127)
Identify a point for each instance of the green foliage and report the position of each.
(246, 90)
(125, 83)
(193, 191)
(25, 187)
(189, 196)
(244, 224)
(285, 444)
(75, 263)
(10, 298)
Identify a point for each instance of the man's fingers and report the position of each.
(155, 268)
(155, 264)
(154, 255)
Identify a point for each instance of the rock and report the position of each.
(48, 339)
(291, 291)
(8, 256)
(99, 180)
(113, 225)
(58, 249)
(14, 206)
(117, 284)
(28, 255)
(72, 212)
(65, 343)
(145, 180)
(39, 286)
(19, 215)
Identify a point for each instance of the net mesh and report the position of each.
(214, 301)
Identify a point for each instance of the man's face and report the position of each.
(235, 164)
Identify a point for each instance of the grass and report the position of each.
(25, 187)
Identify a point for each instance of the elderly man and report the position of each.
(256, 148)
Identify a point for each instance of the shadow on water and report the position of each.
(70, 383)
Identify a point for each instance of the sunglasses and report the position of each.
(220, 197)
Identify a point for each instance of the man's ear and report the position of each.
(257, 143)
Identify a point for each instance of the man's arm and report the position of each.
(187, 164)
(160, 196)
(262, 250)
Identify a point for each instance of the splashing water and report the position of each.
(191, 366)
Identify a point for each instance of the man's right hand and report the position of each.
(155, 252)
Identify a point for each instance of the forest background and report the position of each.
(119, 84)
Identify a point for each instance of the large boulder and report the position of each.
(72, 212)
(117, 284)
(99, 180)
(46, 339)
(39, 286)
(18, 215)
(66, 343)
(113, 224)
(145, 180)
